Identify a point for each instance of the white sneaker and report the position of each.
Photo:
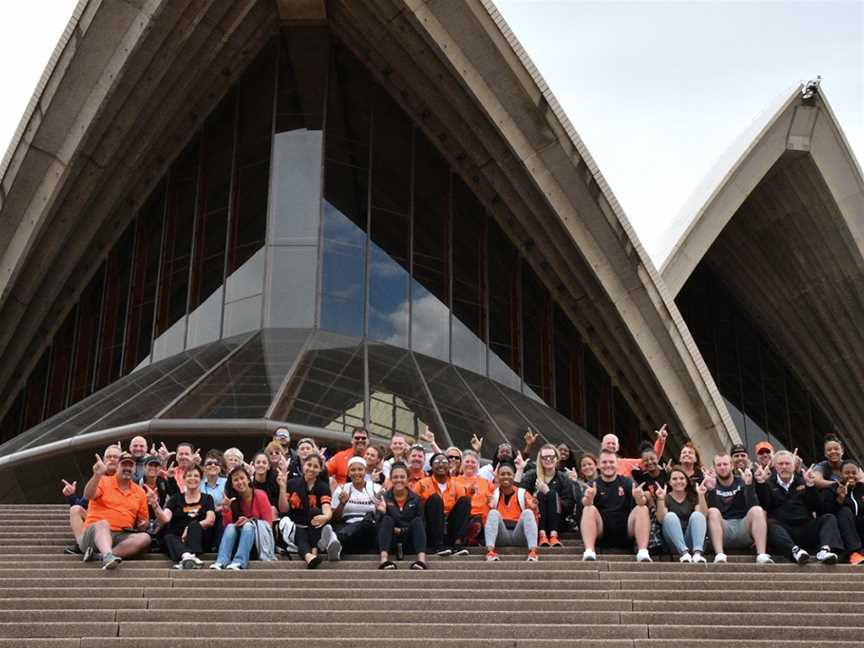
(686, 558)
(720, 558)
(234, 566)
(800, 556)
(334, 550)
(589, 554)
(699, 558)
(826, 556)
(216, 566)
(643, 556)
(764, 559)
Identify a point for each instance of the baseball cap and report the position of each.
(738, 447)
(125, 456)
(151, 459)
(763, 445)
(282, 433)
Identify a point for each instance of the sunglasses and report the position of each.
(440, 460)
(548, 457)
(453, 458)
(211, 463)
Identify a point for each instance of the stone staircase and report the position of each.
(48, 599)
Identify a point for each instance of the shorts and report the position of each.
(736, 535)
(88, 538)
(615, 533)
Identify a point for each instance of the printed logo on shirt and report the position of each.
(192, 509)
(800, 488)
(620, 491)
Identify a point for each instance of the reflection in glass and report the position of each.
(84, 353)
(536, 335)
(61, 363)
(504, 309)
(326, 389)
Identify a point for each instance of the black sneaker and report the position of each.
(459, 550)
(444, 552)
(88, 555)
(72, 550)
(800, 556)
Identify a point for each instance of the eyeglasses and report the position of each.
(361, 438)
(211, 463)
(440, 460)
(548, 457)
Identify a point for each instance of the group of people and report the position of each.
(415, 500)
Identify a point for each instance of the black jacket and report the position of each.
(854, 500)
(792, 508)
(569, 492)
(402, 517)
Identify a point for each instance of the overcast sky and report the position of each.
(658, 91)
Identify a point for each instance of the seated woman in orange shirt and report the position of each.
(479, 490)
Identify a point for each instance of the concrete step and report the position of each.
(232, 642)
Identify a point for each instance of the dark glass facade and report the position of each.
(765, 398)
(309, 200)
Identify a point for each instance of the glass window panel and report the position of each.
(11, 424)
(115, 302)
(504, 311)
(245, 384)
(456, 404)
(61, 365)
(293, 272)
(510, 421)
(34, 399)
(346, 195)
(469, 279)
(569, 381)
(145, 274)
(536, 335)
(392, 373)
(84, 362)
(326, 389)
(244, 315)
(430, 286)
(391, 223)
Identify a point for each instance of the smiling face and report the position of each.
(398, 480)
(470, 465)
(505, 452)
(275, 456)
(505, 477)
(678, 481)
(785, 466)
(440, 467)
(192, 478)
(849, 474)
(649, 460)
(608, 465)
(610, 443)
(126, 470)
(212, 467)
(311, 468)
(416, 459)
(232, 461)
(138, 447)
(548, 459)
(240, 482)
(834, 452)
(764, 457)
(304, 449)
(563, 452)
(357, 473)
(687, 456)
(373, 458)
(151, 471)
(723, 466)
(184, 456)
(454, 461)
(359, 441)
(741, 461)
(588, 468)
(111, 458)
(261, 464)
(398, 445)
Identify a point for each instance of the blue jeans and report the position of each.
(246, 534)
(675, 536)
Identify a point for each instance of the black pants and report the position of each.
(821, 532)
(850, 529)
(412, 537)
(174, 547)
(358, 537)
(550, 511)
(444, 531)
(306, 537)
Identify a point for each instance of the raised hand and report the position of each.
(344, 496)
(530, 438)
(639, 494)
(227, 502)
(762, 474)
(541, 486)
(747, 475)
(810, 475)
(842, 490)
(660, 492)
(710, 481)
(164, 453)
(99, 468)
(196, 456)
(701, 488)
(381, 506)
(427, 436)
(68, 489)
(572, 473)
(667, 466)
(322, 451)
(590, 492)
(476, 443)
(520, 461)
(152, 496)
(281, 478)
(662, 433)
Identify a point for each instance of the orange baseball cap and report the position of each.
(763, 445)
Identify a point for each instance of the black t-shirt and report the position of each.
(183, 512)
(300, 511)
(651, 483)
(614, 499)
(681, 509)
(732, 501)
(269, 486)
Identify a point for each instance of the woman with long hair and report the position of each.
(242, 506)
(690, 463)
(586, 470)
(306, 500)
(186, 519)
(682, 512)
(264, 479)
(555, 494)
(400, 524)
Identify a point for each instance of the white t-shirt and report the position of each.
(487, 473)
(359, 502)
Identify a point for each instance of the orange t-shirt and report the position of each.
(511, 510)
(626, 465)
(428, 486)
(337, 465)
(479, 489)
(120, 508)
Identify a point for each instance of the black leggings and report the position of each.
(306, 537)
(175, 547)
(412, 537)
(550, 511)
(851, 529)
(456, 522)
(358, 537)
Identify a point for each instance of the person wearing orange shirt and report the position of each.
(337, 466)
(512, 520)
(626, 466)
(416, 461)
(447, 505)
(480, 491)
(117, 508)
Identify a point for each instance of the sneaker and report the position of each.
(686, 558)
(444, 552)
(187, 562)
(111, 561)
(88, 555)
(720, 558)
(589, 554)
(532, 555)
(555, 542)
(542, 540)
(492, 556)
(826, 556)
(699, 558)
(313, 564)
(234, 567)
(196, 561)
(856, 558)
(800, 556)
(72, 550)
(643, 556)
(459, 550)
(178, 566)
(216, 566)
(334, 550)
(764, 559)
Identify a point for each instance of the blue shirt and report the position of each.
(217, 492)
